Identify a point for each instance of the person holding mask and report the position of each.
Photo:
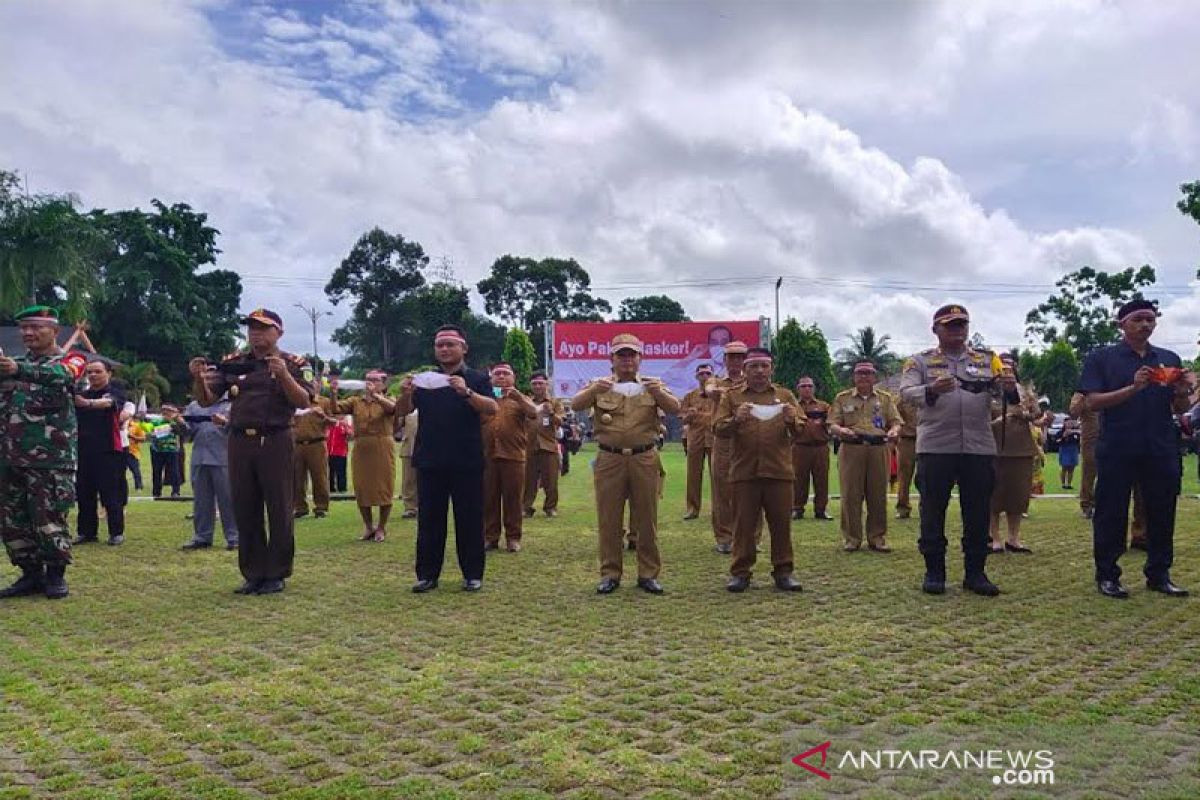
(1012, 427)
(542, 453)
(209, 429)
(373, 460)
(1137, 388)
(810, 451)
(101, 474)
(505, 442)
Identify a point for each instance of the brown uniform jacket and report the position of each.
(370, 419)
(815, 427)
(908, 413)
(696, 409)
(1089, 421)
(859, 413)
(543, 429)
(620, 421)
(311, 426)
(256, 400)
(506, 433)
(761, 448)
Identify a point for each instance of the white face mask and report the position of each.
(717, 352)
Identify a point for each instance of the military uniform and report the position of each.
(863, 464)
(761, 475)
(906, 459)
(542, 457)
(261, 460)
(505, 441)
(311, 459)
(955, 445)
(697, 408)
(627, 468)
(37, 467)
(810, 457)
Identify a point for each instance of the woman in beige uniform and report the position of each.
(373, 459)
(1016, 450)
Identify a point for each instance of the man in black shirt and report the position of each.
(101, 471)
(1137, 387)
(449, 458)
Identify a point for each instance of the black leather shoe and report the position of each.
(788, 583)
(1137, 544)
(879, 548)
(196, 546)
(78, 540)
(979, 584)
(56, 581)
(491, 546)
(320, 514)
(422, 586)
(116, 541)
(607, 586)
(232, 546)
(823, 515)
(736, 584)
(32, 581)
(270, 586)
(798, 513)
(1167, 588)
(1112, 589)
(690, 515)
(724, 549)
(247, 587)
(631, 546)
(473, 585)
(299, 514)
(650, 585)
(934, 584)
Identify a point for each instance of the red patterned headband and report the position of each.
(448, 336)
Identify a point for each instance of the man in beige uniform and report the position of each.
(625, 422)
(906, 458)
(722, 492)
(810, 452)
(865, 419)
(760, 419)
(407, 433)
(542, 460)
(311, 460)
(697, 411)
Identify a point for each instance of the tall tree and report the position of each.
(381, 272)
(49, 251)
(154, 305)
(518, 351)
(1083, 309)
(802, 350)
(867, 345)
(527, 293)
(651, 308)
(1055, 372)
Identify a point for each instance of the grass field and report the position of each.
(154, 681)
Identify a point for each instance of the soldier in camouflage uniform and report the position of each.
(38, 455)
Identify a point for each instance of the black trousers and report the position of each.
(164, 469)
(437, 488)
(936, 475)
(135, 468)
(101, 476)
(565, 462)
(1159, 477)
(260, 478)
(337, 474)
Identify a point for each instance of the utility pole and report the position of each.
(778, 283)
(314, 314)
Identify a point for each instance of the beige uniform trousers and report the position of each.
(864, 476)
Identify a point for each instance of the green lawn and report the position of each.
(153, 680)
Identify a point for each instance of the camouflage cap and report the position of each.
(625, 341)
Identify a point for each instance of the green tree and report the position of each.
(802, 350)
(651, 308)
(1054, 372)
(518, 351)
(867, 345)
(49, 252)
(143, 378)
(1189, 205)
(1083, 310)
(154, 304)
(527, 293)
(380, 274)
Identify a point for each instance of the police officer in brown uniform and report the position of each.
(266, 386)
(810, 452)
(906, 458)
(696, 409)
(722, 492)
(505, 441)
(542, 461)
(865, 419)
(626, 429)
(760, 419)
(312, 460)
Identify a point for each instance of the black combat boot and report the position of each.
(30, 582)
(935, 574)
(56, 581)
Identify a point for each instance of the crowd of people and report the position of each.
(264, 430)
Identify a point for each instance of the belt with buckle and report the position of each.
(868, 440)
(626, 451)
(261, 431)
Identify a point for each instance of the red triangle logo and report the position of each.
(801, 760)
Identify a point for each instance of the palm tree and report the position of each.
(143, 378)
(48, 250)
(866, 345)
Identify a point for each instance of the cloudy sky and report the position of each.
(883, 157)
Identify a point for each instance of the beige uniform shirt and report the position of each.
(618, 420)
(873, 415)
(959, 421)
